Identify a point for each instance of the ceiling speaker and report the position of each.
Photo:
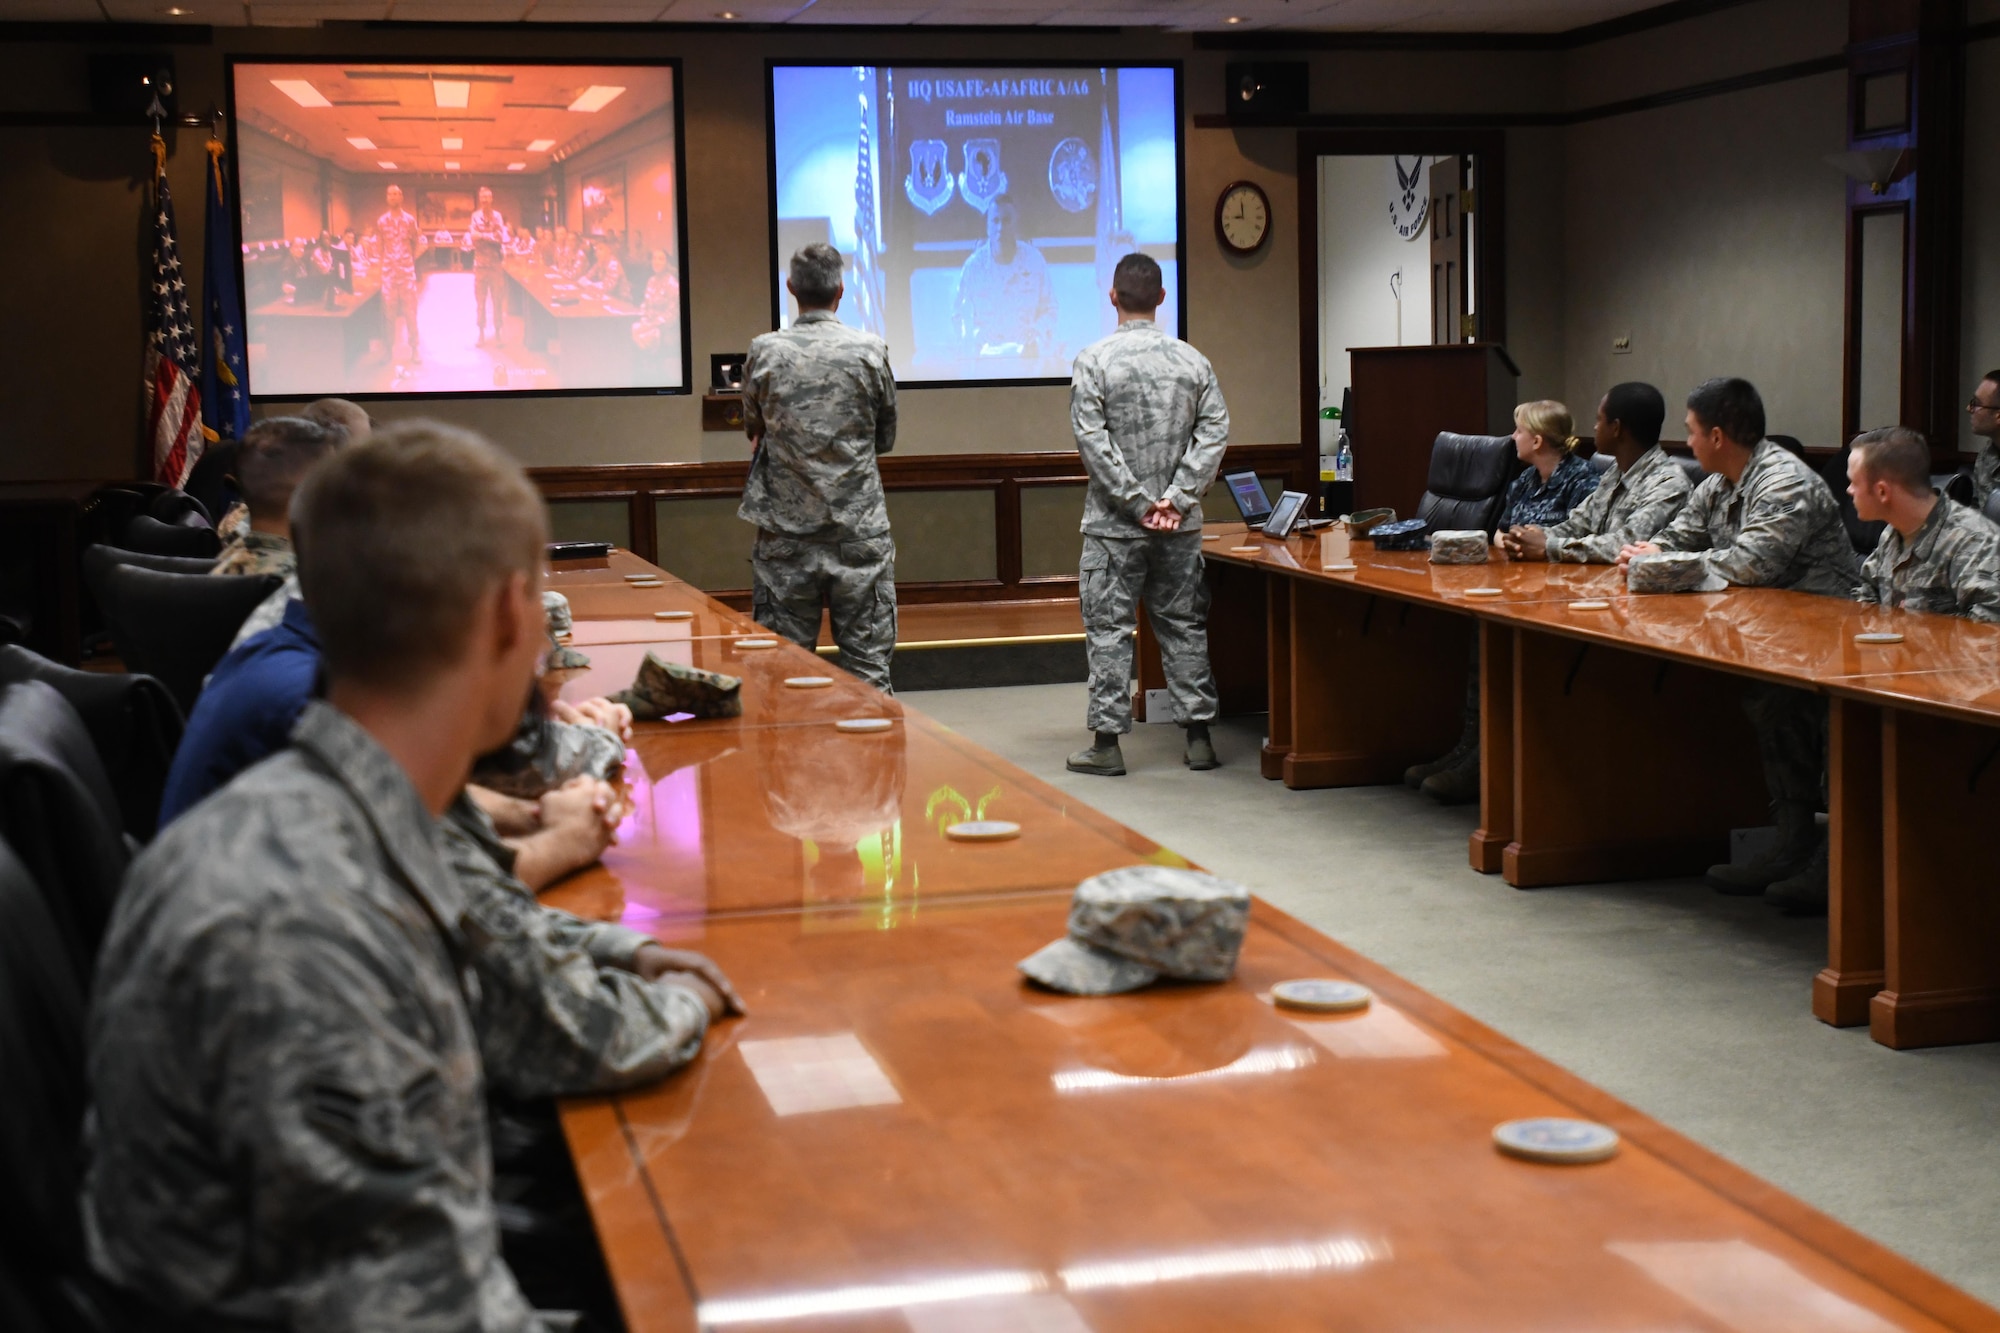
(1265, 88)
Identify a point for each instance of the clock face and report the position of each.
(1243, 218)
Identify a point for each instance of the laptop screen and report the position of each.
(1251, 501)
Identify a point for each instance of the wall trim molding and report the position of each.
(642, 485)
(1694, 92)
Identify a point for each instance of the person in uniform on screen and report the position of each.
(661, 308)
(302, 280)
(1005, 305)
(400, 240)
(1151, 426)
(606, 273)
(819, 403)
(486, 235)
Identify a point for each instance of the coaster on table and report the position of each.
(983, 830)
(673, 615)
(1322, 996)
(1211, 536)
(1556, 1139)
(1590, 604)
(1340, 569)
(645, 583)
(807, 682)
(864, 724)
(639, 578)
(1883, 637)
(1483, 592)
(756, 643)
(1245, 550)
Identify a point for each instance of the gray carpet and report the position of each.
(1690, 1006)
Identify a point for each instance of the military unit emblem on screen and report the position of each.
(929, 183)
(1073, 175)
(982, 181)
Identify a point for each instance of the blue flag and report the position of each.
(225, 393)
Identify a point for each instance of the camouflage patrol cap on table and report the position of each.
(555, 609)
(1129, 928)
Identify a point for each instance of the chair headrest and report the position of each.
(1471, 467)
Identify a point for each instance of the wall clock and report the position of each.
(1242, 218)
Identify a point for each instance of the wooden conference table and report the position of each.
(594, 331)
(903, 1135)
(1613, 745)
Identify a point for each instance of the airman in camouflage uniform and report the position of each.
(1151, 426)
(1777, 525)
(326, 1164)
(819, 400)
(1626, 507)
(1950, 566)
(1983, 412)
(257, 553)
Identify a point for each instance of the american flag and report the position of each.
(173, 402)
(868, 294)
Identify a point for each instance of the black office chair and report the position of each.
(1468, 481)
(208, 480)
(1992, 506)
(42, 1067)
(134, 725)
(149, 534)
(1695, 475)
(1791, 444)
(1600, 463)
(165, 564)
(176, 627)
(1955, 486)
(60, 815)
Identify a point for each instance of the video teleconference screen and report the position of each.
(423, 228)
(980, 210)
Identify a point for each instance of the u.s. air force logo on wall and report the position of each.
(982, 181)
(1073, 175)
(1409, 197)
(929, 183)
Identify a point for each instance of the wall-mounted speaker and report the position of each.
(125, 83)
(1265, 88)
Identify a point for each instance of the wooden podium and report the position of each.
(1403, 396)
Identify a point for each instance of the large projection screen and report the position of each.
(980, 209)
(442, 228)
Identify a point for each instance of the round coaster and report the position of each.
(865, 724)
(983, 830)
(1555, 1139)
(756, 643)
(641, 578)
(1483, 592)
(1339, 569)
(807, 682)
(1322, 996)
(1590, 604)
(673, 615)
(1245, 550)
(645, 583)
(1884, 637)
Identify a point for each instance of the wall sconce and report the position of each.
(1877, 168)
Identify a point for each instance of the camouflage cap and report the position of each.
(555, 608)
(1128, 928)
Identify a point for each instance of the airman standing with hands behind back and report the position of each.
(1151, 426)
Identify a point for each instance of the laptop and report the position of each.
(1249, 495)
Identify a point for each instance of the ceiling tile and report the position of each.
(1004, 18)
(229, 13)
(54, 11)
(819, 14)
(705, 11)
(288, 15)
(445, 11)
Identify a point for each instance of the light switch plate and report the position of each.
(1621, 345)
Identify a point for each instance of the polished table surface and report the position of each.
(904, 1135)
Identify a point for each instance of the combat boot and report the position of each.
(1200, 749)
(1457, 785)
(1468, 740)
(1804, 894)
(1103, 758)
(1797, 831)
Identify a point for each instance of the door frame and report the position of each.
(1487, 148)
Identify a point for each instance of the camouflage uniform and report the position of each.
(257, 553)
(821, 400)
(1151, 424)
(270, 612)
(1951, 566)
(1778, 527)
(1626, 507)
(1985, 473)
(288, 1127)
(558, 1010)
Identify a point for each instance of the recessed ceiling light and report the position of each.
(174, 12)
(517, 166)
(1234, 18)
(727, 14)
(453, 145)
(596, 97)
(300, 91)
(451, 166)
(386, 166)
(451, 92)
(362, 142)
(541, 145)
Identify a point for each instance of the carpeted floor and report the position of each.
(1691, 1006)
